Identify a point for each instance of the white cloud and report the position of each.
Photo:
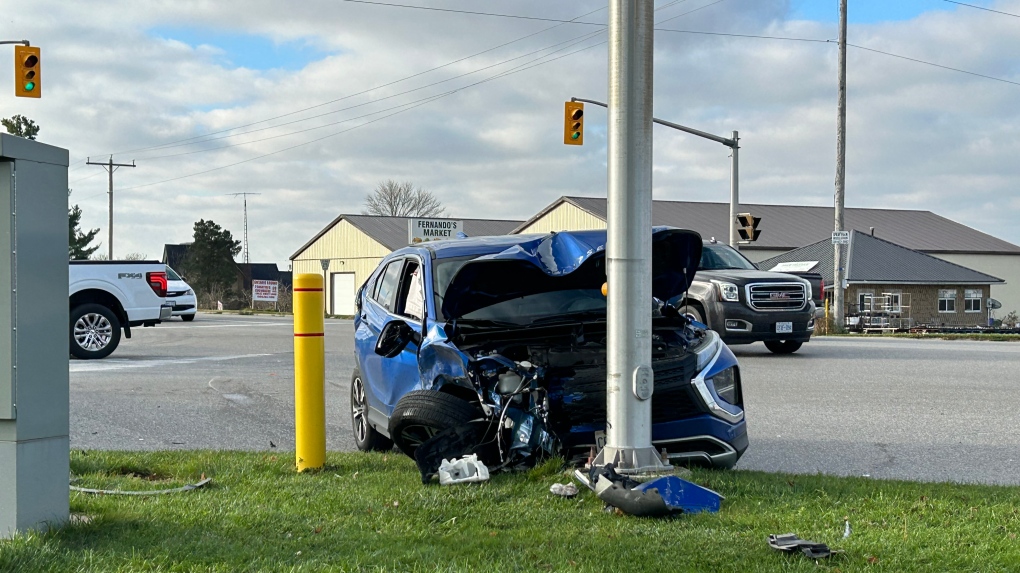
(918, 137)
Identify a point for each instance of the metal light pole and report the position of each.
(734, 193)
(629, 246)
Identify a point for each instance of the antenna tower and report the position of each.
(245, 244)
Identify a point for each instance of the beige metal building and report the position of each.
(788, 227)
(354, 244)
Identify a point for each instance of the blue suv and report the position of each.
(497, 346)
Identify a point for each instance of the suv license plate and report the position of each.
(784, 327)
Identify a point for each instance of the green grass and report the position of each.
(371, 513)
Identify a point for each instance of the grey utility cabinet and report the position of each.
(34, 446)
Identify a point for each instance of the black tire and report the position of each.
(187, 317)
(783, 346)
(367, 438)
(94, 331)
(421, 414)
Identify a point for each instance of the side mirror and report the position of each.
(394, 338)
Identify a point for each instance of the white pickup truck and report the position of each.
(107, 296)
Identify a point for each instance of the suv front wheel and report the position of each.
(366, 438)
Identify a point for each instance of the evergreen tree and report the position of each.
(78, 248)
(209, 264)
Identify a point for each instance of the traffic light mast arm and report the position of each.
(25, 42)
(690, 130)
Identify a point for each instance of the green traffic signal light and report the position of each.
(29, 86)
(575, 135)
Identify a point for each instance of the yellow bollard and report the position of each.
(309, 373)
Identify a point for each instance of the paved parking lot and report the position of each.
(929, 410)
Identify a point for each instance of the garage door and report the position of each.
(342, 294)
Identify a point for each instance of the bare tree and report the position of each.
(135, 257)
(394, 199)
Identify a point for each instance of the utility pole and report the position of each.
(629, 379)
(245, 245)
(110, 167)
(837, 287)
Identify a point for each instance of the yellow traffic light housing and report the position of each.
(573, 123)
(27, 73)
(747, 227)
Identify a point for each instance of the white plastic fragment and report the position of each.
(464, 470)
(564, 490)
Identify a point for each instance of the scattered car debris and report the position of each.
(567, 490)
(188, 487)
(664, 496)
(789, 543)
(467, 469)
(846, 530)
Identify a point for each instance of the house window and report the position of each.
(947, 300)
(864, 301)
(972, 300)
(892, 302)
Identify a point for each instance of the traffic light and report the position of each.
(747, 226)
(573, 123)
(27, 74)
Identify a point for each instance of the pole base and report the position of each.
(632, 461)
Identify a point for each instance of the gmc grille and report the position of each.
(776, 296)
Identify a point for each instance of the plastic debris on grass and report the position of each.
(659, 497)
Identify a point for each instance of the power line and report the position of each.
(433, 9)
(743, 35)
(936, 65)
(982, 8)
(424, 101)
(584, 36)
(403, 79)
(409, 107)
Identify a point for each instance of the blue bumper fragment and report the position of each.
(682, 495)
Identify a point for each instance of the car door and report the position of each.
(398, 294)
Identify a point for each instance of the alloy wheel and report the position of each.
(93, 331)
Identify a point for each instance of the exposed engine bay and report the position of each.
(539, 387)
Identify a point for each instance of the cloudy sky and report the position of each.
(313, 103)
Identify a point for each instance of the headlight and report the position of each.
(728, 291)
(709, 349)
(727, 385)
(189, 292)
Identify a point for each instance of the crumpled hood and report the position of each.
(563, 261)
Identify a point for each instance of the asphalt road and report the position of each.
(929, 410)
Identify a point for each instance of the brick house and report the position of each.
(889, 285)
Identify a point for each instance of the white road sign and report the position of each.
(264, 290)
(841, 237)
(421, 230)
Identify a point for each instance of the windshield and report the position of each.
(544, 306)
(172, 276)
(719, 257)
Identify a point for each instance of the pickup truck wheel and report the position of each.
(94, 331)
(783, 346)
(421, 414)
(366, 438)
(187, 317)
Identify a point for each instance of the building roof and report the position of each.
(793, 226)
(875, 260)
(391, 232)
(173, 255)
